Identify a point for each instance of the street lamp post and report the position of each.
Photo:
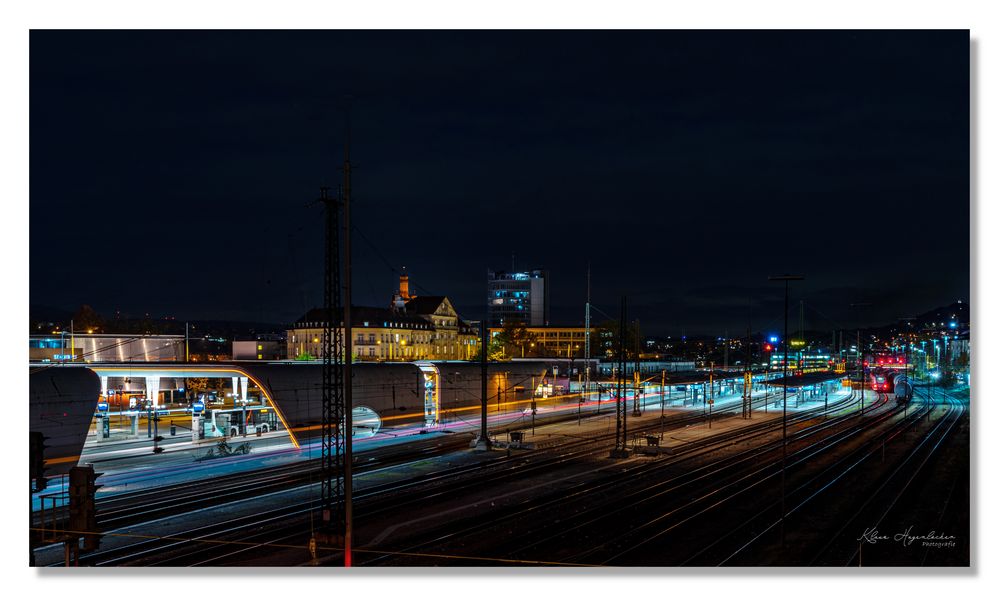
(783, 459)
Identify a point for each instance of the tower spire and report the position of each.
(404, 284)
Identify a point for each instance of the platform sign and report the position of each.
(198, 407)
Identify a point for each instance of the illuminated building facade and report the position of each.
(557, 342)
(520, 297)
(805, 361)
(411, 328)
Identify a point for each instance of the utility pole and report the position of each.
(662, 404)
(638, 365)
(624, 379)
(747, 384)
(783, 459)
(621, 410)
(725, 363)
(483, 443)
(711, 389)
(801, 348)
(187, 345)
(662, 395)
(579, 404)
(841, 348)
(586, 386)
(860, 357)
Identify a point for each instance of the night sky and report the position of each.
(175, 173)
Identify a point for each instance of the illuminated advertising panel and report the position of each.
(430, 381)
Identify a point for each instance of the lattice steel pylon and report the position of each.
(334, 520)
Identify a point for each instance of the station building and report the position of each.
(411, 328)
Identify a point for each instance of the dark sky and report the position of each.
(173, 173)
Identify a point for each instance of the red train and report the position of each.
(886, 380)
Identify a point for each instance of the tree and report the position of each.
(221, 386)
(496, 350)
(604, 340)
(512, 341)
(86, 320)
(195, 385)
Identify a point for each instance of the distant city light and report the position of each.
(773, 339)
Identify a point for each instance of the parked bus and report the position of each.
(230, 422)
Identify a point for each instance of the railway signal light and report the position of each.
(156, 444)
(37, 460)
(82, 505)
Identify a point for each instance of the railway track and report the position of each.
(745, 510)
(844, 548)
(134, 506)
(533, 538)
(122, 511)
